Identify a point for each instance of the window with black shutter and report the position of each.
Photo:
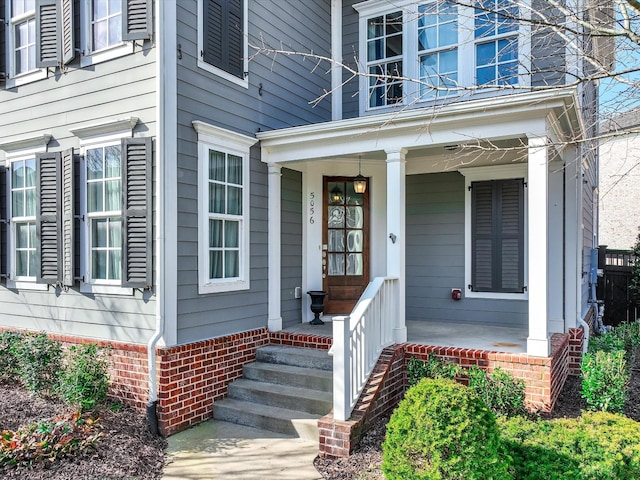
(223, 35)
(497, 236)
(4, 68)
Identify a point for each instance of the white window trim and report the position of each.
(88, 57)
(106, 287)
(211, 137)
(12, 281)
(243, 82)
(478, 174)
(411, 66)
(14, 80)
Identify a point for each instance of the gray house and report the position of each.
(178, 173)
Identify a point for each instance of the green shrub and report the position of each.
(9, 345)
(39, 361)
(596, 446)
(431, 368)
(84, 381)
(606, 342)
(499, 390)
(442, 430)
(604, 380)
(48, 440)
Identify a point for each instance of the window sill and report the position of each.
(109, 53)
(242, 82)
(27, 285)
(26, 78)
(222, 287)
(105, 289)
(497, 295)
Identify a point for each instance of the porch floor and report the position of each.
(480, 337)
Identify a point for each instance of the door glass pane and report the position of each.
(336, 217)
(354, 217)
(336, 264)
(354, 264)
(336, 241)
(353, 198)
(354, 241)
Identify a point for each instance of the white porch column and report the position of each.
(396, 227)
(556, 249)
(538, 261)
(275, 318)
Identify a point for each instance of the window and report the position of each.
(223, 191)
(495, 240)
(222, 39)
(104, 236)
(21, 37)
(447, 47)
(23, 219)
(106, 24)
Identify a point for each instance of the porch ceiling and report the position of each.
(430, 132)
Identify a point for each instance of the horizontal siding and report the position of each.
(350, 56)
(115, 89)
(291, 247)
(280, 91)
(435, 257)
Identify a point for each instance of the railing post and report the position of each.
(341, 368)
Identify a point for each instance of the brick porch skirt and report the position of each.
(192, 377)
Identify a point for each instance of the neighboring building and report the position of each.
(168, 188)
(619, 171)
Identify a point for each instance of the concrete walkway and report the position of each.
(221, 450)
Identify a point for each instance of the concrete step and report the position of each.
(311, 378)
(282, 396)
(297, 357)
(289, 422)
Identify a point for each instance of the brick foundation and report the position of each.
(576, 343)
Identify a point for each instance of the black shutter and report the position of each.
(137, 233)
(4, 226)
(48, 218)
(223, 35)
(137, 19)
(47, 34)
(497, 238)
(68, 218)
(4, 68)
(67, 31)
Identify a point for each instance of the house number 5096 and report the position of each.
(312, 207)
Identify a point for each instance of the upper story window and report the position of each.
(421, 51)
(106, 23)
(222, 38)
(23, 28)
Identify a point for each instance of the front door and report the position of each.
(345, 244)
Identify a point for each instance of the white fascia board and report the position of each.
(481, 116)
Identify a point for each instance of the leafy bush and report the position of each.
(84, 379)
(48, 440)
(442, 430)
(499, 390)
(634, 285)
(9, 344)
(625, 337)
(431, 368)
(596, 446)
(39, 361)
(604, 380)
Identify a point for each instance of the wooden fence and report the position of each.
(613, 286)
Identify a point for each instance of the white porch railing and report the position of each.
(358, 340)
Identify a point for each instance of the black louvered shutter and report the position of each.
(4, 226)
(4, 68)
(48, 218)
(67, 31)
(137, 20)
(223, 35)
(136, 213)
(68, 218)
(47, 34)
(497, 236)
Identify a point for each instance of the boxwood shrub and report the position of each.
(442, 430)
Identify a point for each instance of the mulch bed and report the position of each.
(126, 451)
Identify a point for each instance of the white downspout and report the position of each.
(579, 251)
